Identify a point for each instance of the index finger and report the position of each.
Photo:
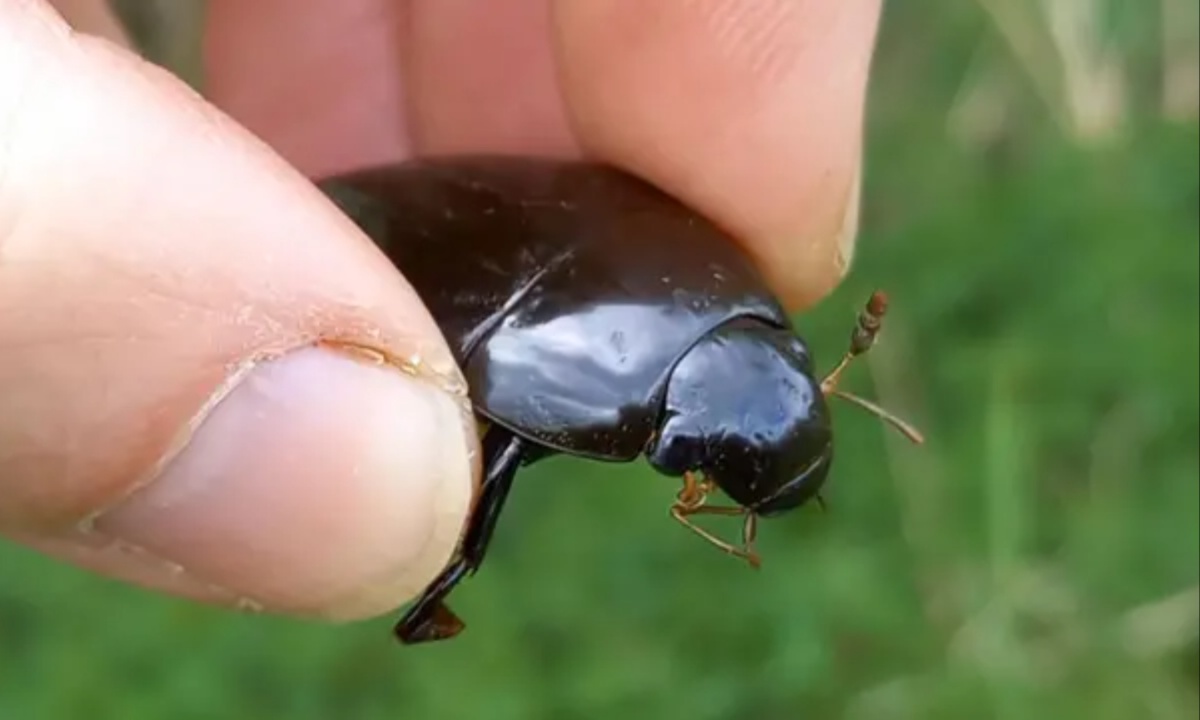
(750, 112)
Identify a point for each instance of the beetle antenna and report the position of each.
(904, 428)
(821, 504)
(866, 331)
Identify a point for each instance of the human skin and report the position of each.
(190, 403)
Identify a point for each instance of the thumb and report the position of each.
(210, 383)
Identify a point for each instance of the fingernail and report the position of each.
(848, 231)
(321, 485)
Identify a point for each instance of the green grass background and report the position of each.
(1031, 204)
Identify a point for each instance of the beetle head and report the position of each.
(744, 408)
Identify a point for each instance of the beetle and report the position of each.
(594, 315)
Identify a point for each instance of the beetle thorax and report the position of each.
(744, 408)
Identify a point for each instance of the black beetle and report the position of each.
(596, 316)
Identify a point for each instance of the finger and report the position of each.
(750, 111)
(180, 405)
(95, 17)
(354, 83)
(329, 96)
(482, 77)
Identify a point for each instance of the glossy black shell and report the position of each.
(566, 292)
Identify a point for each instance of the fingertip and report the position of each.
(750, 112)
(322, 486)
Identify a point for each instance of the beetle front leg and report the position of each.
(429, 619)
(691, 501)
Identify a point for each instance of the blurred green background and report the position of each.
(1031, 204)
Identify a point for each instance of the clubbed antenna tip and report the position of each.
(862, 339)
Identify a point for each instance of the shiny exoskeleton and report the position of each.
(596, 316)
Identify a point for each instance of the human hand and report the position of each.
(164, 415)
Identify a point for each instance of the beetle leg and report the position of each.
(693, 493)
(690, 501)
(504, 457)
(429, 618)
(750, 531)
(682, 516)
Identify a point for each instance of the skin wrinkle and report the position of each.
(143, 292)
(754, 35)
(89, 550)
